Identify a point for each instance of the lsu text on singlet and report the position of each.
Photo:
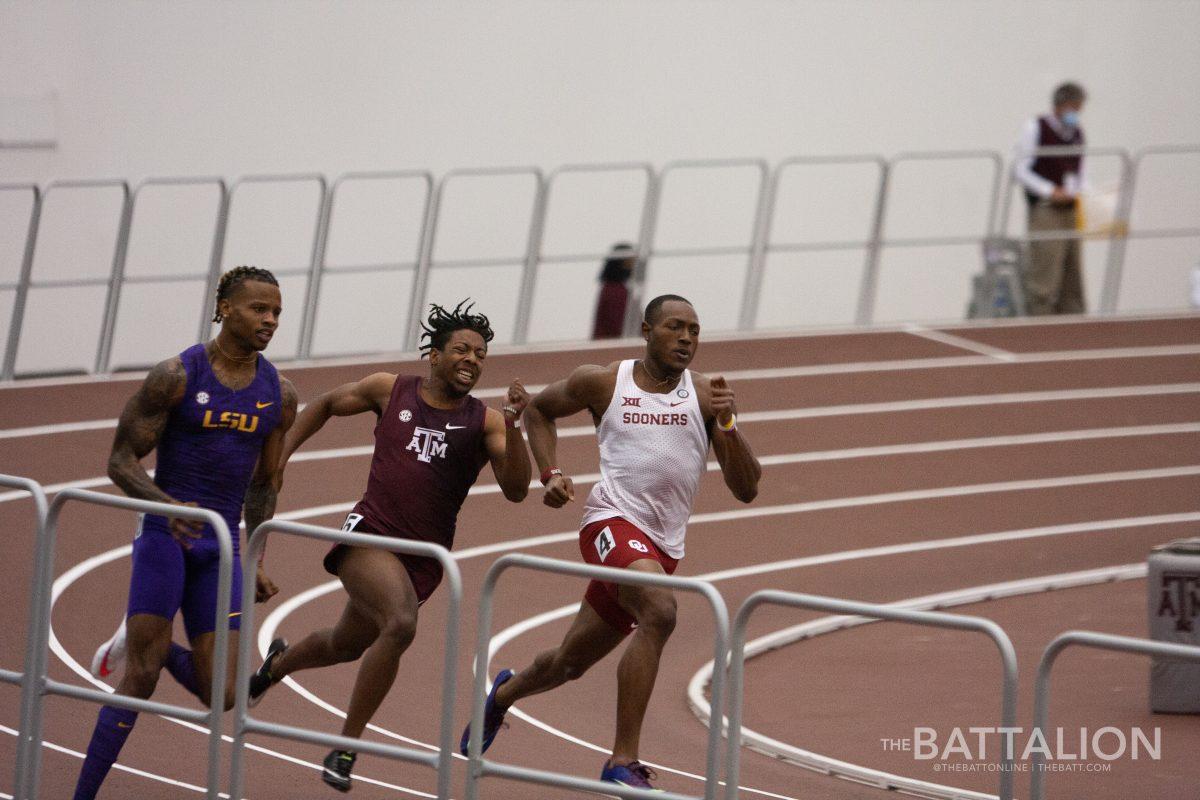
(213, 438)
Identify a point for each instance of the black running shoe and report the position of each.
(337, 769)
(261, 680)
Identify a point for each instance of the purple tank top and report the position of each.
(425, 461)
(212, 440)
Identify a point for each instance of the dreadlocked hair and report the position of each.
(236, 277)
(442, 323)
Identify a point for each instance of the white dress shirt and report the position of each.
(1027, 153)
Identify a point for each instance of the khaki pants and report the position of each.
(1052, 278)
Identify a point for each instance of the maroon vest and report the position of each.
(610, 311)
(1055, 168)
(425, 461)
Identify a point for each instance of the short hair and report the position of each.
(656, 304)
(441, 323)
(1069, 92)
(235, 278)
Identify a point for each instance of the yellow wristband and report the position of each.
(731, 426)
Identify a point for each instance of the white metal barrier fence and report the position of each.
(245, 724)
(35, 683)
(27, 679)
(1100, 641)
(756, 247)
(478, 767)
(937, 619)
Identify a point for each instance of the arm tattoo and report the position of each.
(140, 427)
(259, 503)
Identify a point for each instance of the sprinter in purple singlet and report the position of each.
(431, 441)
(217, 414)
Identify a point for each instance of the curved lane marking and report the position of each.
(857, 773)
(70, 576)
(58, 748)
(512, 632)
(271, 623)
(82, 568)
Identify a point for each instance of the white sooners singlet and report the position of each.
(653, 449)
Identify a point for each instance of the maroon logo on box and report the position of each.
(1180, 599)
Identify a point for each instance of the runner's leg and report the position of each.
(380, 590)
(654, 610)
(588, 640)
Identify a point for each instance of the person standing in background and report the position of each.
(1052, 277)
(614, 294)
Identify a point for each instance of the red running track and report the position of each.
(869, 438)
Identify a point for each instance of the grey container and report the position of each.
(1173, 603)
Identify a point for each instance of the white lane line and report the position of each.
(959, 342)
(118, 766)
(512, 632)
(772, 373)
(967, 401)
(820, 411)
(82, 568)
(842, 502)
(57, 428)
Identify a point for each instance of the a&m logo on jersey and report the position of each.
(246, 423)
(1180, 598)
(427, 443)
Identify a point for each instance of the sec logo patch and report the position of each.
(202, 398)
(405, 415)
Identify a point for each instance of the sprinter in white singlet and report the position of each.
(654, 420)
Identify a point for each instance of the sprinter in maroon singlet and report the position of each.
(431, 441)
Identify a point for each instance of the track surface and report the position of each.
(865, 437)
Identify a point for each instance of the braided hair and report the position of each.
(235, 278)
(442, 323)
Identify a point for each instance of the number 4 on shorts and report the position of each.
(604, 543)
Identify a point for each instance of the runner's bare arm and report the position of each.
(263, 490)
(589, 386)
(738, 463)
(369, 394)
(141, 425)
(506, 447)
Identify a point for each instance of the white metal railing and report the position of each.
(478, 767)
(1099, 641)
(729, 646)
(440, 759)
(937, 619)
(756, 248)
(38, 684)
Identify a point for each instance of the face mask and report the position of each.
(1071, 119)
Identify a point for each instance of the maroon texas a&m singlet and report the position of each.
(425, 461)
